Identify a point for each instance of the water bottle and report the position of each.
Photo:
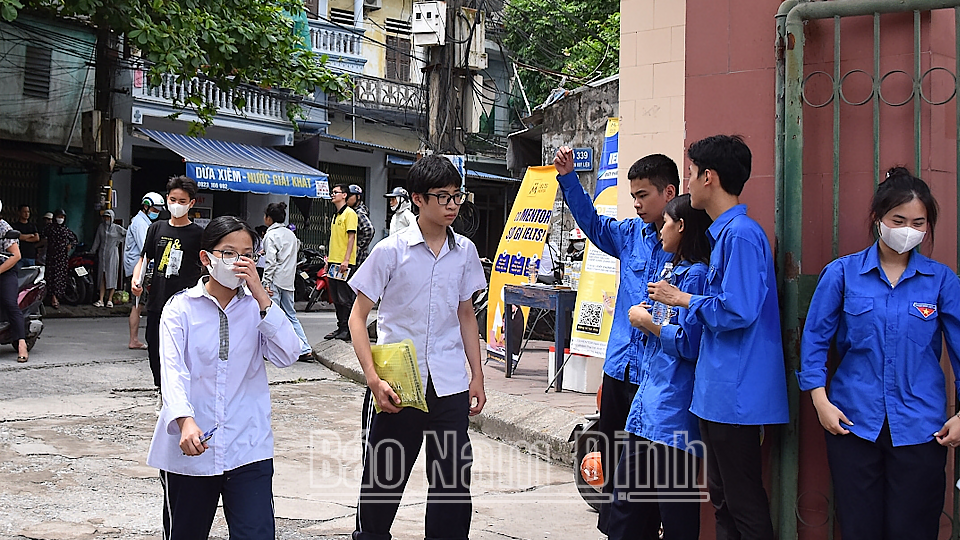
(662, 313)
(533, 270)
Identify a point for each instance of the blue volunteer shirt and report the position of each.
(636, 245)
(740, 377)
(660, 410)
(889, 340)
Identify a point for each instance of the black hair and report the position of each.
(901, 187)
(261, 230)
(21, 206)
(660, 170)
(694, 244)
(221, 226)
(432, 172)
(184, 183)
(726, 155)
(277, 211)
(59, 212)
(343, 187)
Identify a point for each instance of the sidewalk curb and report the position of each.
(533, 427)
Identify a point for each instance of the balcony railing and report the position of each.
(260, 105)
(343, 47)
(374, 93)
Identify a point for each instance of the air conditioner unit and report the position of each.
(429, 24)
(372, 5)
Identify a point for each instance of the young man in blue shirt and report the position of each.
(740, 382)
(654, 181)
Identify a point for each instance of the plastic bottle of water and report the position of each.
(662, 313)
(533, 270)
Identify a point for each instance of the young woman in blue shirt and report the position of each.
(659, 467)
(887, 310)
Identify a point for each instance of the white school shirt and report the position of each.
(218, 382)
(419, 293)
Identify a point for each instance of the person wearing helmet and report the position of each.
(399, 201)
(365, 230)
(106, 244)
(150, 207)
(578, 243)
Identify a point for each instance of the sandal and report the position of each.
(109, 303)
(22, 359)
(98, 303)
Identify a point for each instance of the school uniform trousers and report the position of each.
(393, 442)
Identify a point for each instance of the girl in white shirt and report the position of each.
(213, 438)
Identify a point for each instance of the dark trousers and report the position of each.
(392, 447)
(735, 481)
(343, 298)
(655, 483)
(885, 492)
(615, 401)
(152, 335)
(190, 503)
(9, 306)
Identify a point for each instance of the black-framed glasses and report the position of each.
(444, 198)
(230, 256)
(337, 192)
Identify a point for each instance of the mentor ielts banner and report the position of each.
(523, 237)
(600, 275)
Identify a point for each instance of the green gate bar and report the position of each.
(788, 166)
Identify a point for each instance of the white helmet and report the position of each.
(153, 199)
(577, 234)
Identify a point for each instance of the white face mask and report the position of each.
(222, 272)
(901, 239)
(178, 210)
(59, 221)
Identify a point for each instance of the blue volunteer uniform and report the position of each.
(889, 340)
(661, 408)
(636, 245)
(888, 472)
(740, 377)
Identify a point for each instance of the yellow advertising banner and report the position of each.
(523, 238)
(597, 292)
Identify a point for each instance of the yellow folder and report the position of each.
(396, 363)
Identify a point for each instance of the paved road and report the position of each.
(76, 422)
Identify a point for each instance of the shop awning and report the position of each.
(228, 166)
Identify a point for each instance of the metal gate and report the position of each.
(799, 91)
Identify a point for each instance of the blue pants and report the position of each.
(284, 299)
(392, 446)
(190, 503)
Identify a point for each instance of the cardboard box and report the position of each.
(582, 373)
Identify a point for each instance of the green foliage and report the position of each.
(230, 42)
(576, 38)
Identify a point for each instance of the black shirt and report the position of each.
(28, 250)
(175, 252)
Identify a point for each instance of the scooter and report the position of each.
(80, 287)
(31, 290)
(587, 468)
(321, 290)
(308, 263)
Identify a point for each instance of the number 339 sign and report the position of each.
(583, 159)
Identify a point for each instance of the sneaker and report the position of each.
(344, 335)
(159, 404)
(332, 335)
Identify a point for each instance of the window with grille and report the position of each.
(341, 16)
(398, 58)
(36, 72)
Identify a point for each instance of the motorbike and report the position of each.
(321, 290)
(31, 290)
(80, 287)
(309, 263)
(587, 468)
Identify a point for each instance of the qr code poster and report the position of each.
(590, 318)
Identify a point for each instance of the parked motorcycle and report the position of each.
(321, 290)
(309, 263)
(587, 468)
(80, 287)
(31, 290)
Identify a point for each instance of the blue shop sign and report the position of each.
(583, 159)
(219, 177)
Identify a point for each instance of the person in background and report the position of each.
(342, 259)
(365, 230)
(8, 289)
(60, 240)
(174, 246)
(29, 236)
(216, 335)
(399, 201)
(886, 313)
(150, 207)
(106, 244)
(547, 270)
(577, 245)
(280, 248)
(261, 261)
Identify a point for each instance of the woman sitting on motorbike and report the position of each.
(10, 249)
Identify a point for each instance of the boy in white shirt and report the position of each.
(425, 278)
